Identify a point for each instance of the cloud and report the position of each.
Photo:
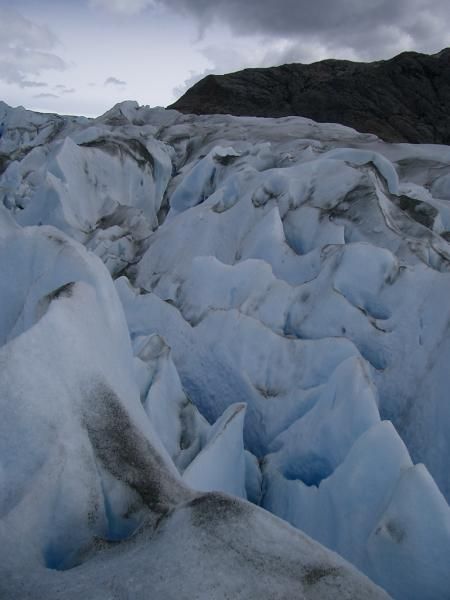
(340, 28)
(363, 30)
(46, 95)
(63, 89)
(25, 83)
(114, 81)
(127, 7)
(26, 49)
(337, 24)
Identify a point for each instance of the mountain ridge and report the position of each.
(402, 99)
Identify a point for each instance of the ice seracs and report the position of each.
(102, 187)
(90, 500)
(277, 331)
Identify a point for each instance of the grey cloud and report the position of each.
(45, 95)
(127, 7)
(63, 89)
(365, 29)
(343, 28)
(114, 81)
(26, 48)
(24, 83)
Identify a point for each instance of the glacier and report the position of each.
(224, 346)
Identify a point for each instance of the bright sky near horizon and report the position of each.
(83, 56)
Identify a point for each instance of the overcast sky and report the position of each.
(83, 56)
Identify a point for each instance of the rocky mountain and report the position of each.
(405, 99)
(224, 350)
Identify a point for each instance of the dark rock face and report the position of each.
(404, 99)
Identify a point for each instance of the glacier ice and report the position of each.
(90, 499)
(221, 464)
(269, 324)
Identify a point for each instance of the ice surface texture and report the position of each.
(270, 322)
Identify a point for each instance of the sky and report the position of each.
(83, 56)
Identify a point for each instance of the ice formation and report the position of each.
(202, 314)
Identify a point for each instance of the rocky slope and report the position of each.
(405, 99)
